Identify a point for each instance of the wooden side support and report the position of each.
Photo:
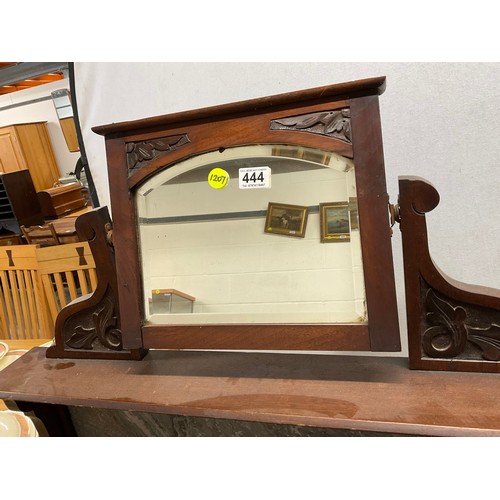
(90, 327)
(451, 325)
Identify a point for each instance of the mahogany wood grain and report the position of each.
(364, 393)
(125, 237)
(373, 202)
(259, 337)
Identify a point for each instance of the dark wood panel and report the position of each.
(373, 208)
(19, 188)
(258, 337)
(125, 239)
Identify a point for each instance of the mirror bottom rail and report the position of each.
(258, 337)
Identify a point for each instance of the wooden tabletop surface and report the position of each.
(365, 393)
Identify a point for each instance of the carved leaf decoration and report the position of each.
(82, 338)
(145, 151)
(331, 123)
(488, 340)
(323, 118)
(104, 320)
(101, 317)
(347, 131)
(114, 339)
(339, 126)
(140, 152)
(447, 335)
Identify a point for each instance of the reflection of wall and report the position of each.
(232, 266)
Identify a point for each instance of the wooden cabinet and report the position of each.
(18, 201)
(28, 146)
(61, 200)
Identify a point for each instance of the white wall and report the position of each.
(440, 121)
(40, 111)
(238, 273)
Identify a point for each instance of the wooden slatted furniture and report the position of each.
(36, 283)
(66, 273)
(22, 311)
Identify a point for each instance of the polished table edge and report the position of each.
(174, 375)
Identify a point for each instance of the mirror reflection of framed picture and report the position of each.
(334, 220)
(289, 220)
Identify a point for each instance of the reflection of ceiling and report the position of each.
(16, 76)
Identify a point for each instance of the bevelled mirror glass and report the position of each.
(282, 251)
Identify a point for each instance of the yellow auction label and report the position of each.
(218, 178)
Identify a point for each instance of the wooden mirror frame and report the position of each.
(137, 150)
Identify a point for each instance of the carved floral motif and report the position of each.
(452, 328)
(336, 123)
(487, 339)
(97, 328)
(446, 336)
(139, 153)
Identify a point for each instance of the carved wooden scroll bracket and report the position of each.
(451, 325)
(89, 327)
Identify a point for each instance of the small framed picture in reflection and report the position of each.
(288, 220)
(334, 221)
